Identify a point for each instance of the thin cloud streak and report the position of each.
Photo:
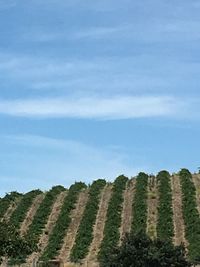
(100, 32)
(142, 74)
(7, 4)
(56, 161)
(44, 36)
(118, 107)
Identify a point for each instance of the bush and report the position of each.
(7, 201)
(12, 245)
(190, 215)
(85, 232)
(113, 221)
(41, 216)
(57, 236)
(140, 204)
(140, 251)
(165, 226)
(19, 213)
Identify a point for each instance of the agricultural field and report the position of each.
(79, 225)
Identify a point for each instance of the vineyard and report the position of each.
(78, 225)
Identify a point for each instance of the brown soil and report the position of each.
(99, 225)
(87, 264)
(30, 214)
(56, 208)
(152, 203)
(10, 210)
(179, 227)
(76, 216)
(196, 180)
(4, 263)
(127, 209)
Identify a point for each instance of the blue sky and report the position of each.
(92, 89)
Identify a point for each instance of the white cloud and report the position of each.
(59, 161)
(116, 107)
(28, 67)
(137, 74)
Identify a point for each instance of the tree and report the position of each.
(12, 245)
(140, 251)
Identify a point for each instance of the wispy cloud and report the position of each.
(29, 67)
(100, 32)
(118, 107)
(139, 73)
(99, 6)
(46, 36)
(160, 30)
(59, 161)
(6, 4)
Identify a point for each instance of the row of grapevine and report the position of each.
(139, 222)
(113, 221)
(165, 228)
(85, 232)
(42, 214)
(6, 201)
(38, 222)
(190, 214)
(62, 224)
(19, 213)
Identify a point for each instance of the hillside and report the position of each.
(81, 223)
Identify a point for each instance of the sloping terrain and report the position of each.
(127, 211)
(196, 180)
(80, 224)
(179, 227)
(99, 225)
(43, 241)
(30, 214)
(152, 207)
(76, 216)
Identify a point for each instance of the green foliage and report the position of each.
(19, 214)
(6, 202)
(191, 215)
(64, 219)
(139, 222)
(140, 251)
(42, 214)
(136, 250)
(12, 245)
(165, 226)
(85, 231)
(113, 221)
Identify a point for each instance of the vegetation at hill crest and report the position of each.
(15, 206)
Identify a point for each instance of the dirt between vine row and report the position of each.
(98, 229)
(87, 264)
(152, 203)
(30, 214)
(11, 209)
(72, 230)
(44, 238)
(179, 227)
(196, 180)
(127, 211)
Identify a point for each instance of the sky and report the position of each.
(97, 88)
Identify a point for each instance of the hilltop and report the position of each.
(81, 223)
